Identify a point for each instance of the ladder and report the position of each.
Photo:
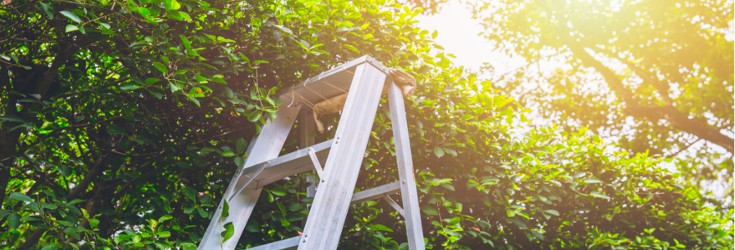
(363, 80)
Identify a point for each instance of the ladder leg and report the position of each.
(331, 203)
(409, 195)
(263, 147)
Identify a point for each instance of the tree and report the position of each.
(141, 99)
(655, 75)
(123, 121)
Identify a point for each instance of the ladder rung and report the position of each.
(376, 192)
(290, 243)
(292, 163)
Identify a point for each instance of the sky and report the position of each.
(459, 34)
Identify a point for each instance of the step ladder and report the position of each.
(363, 80)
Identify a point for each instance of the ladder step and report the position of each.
(292, 163)
(376, 192)
(290, 243)
(328, 84)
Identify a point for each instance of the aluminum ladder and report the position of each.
(363, 80)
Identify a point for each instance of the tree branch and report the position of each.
(93, 173)
(678, 120)
(648, 77)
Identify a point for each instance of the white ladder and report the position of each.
(363, 80)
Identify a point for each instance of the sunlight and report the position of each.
(459, 34)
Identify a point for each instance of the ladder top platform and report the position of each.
(328, 84)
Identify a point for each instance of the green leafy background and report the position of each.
(122, 122)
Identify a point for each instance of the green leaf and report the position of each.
(50, 247)
(47, 205)
(284, 29)
(252, 227)
(30, 219)
(241, 146)
(439, 152)
(93, 223)
(228, 153)
(437, 181)
(552, 211)
(160, 67)
(151, 80)
(178, 15)
(225, 210)
(13, 221)
(430, 211)
(20, 197)
(189, 193)
(188, 246)
(599, 195)
(75, 201)
(71, 28)
(228, 232)
(172, 5)
(173, 87)
(4, 213)
(219, 78)
(196, 92)
(224, 40)
(592, 180)
(239, 161)
(202, 213)
(279, 191)
(194, 100)
(455, 220)
(129, 87)
(189, 210)
(450, 151)
(380, 227)
(185, 41)
(71, 16)
(164, 218)
(145, 12)
(254, 116)
(164, 234)
(132, 6)
(47, 9)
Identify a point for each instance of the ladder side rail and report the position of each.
(263, 147)
(332, 201)
(409, 195)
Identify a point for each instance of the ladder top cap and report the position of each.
(328, 84)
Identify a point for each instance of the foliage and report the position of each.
(656, 76)
(486, 183)
(122, 122)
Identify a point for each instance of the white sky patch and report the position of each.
(459, 34)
